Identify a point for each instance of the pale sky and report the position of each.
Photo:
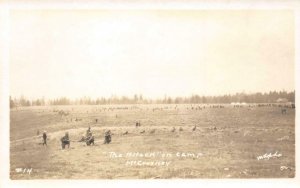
(77, 53)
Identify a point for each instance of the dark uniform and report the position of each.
(44, 138)
(90, 140)
(65, 141)
(107, 137)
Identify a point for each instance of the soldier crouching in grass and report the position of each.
(44, 138)
(65, 141)
(90, 139)
(107, 137)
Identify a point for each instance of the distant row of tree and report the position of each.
(270, 97)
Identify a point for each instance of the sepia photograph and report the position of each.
(137, 93)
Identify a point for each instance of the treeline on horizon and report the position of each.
(270, 97)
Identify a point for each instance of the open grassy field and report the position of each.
(225, 143)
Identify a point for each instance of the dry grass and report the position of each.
(230, 139)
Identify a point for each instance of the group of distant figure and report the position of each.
(138, 124)
(181, 129)
(88, 138)
(284, 109)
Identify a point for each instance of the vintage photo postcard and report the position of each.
(132, 90)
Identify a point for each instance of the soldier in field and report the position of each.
(107, 137)
(90, 139)
(44, 138)
(65, 141)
